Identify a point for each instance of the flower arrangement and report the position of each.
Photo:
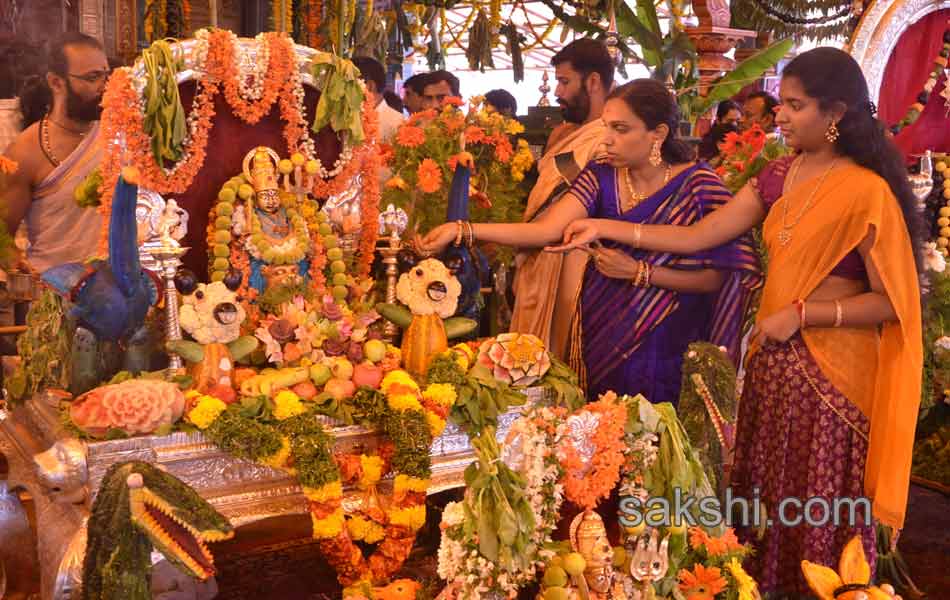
(713, 568)
(431, 143)
(528, 452)
(744, 155)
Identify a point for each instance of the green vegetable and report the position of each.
(43, 348)
(341, 97)
(164, 114)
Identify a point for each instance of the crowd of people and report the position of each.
(630, 249)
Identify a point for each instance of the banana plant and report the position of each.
(666, 55)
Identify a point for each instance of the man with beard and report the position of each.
(546, 284)
(56, 153)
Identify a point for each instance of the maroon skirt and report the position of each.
(798, 437)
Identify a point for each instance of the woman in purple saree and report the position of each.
(639, 310)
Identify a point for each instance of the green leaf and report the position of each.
(745, 72)
(631, 25)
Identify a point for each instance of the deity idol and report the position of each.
(270, 229)
(589, 538)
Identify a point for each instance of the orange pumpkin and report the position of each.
(215, 368)
(424, 338)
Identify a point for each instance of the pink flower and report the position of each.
(137, 406)
(514, 358)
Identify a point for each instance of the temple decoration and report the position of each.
(797, 18)
(713, 38)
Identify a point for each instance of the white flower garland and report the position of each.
(469, 575)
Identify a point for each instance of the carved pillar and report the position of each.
(126, 29)
(713, 38)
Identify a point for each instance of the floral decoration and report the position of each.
(515, 358)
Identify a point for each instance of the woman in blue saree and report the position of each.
(639, 310)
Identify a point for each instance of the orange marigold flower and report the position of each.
(410, 136)
(453, 101)
(464, 158)
(386, 153)
(430, 176)
(475, 135)
(422, 116)
(453, 123)
(7, 166)
(697, 537)
(396, 183)
(728, 145)
(503, 150)
(701, 583)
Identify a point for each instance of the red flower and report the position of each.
(475, 135)
(410, 136)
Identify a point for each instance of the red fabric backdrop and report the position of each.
(229, 140)
(907, 71)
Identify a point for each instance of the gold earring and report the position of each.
(832, 133)
(655, 157)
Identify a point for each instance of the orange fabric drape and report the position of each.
(877, 369)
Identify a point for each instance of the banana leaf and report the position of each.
(745, 72)
(630, 25)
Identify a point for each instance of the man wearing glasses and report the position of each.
(56, 153)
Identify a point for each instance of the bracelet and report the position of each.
(800, 305)
(471, 234)
(637, 231)
(649, 274)
(460, 232)
(643, 276)
(839, 313)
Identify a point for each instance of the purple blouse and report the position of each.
(770, 184)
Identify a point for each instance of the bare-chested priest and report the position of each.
(546, 284)
(56, 153)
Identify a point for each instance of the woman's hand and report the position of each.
(778, 327)
(578, 234)
(614, 263)
(439, 238)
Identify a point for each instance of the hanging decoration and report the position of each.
(167, 18)
(801, 19)
(939, 67)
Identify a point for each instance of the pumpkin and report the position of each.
(215, 368)
(424, 338)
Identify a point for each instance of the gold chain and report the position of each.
(821, 396)
(785, 235)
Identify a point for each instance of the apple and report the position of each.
(574, 564)
(366, 374)
(340, 389)
(342, 368)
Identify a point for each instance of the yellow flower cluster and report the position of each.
(744, 582)
(436, 424)
(441, 393)
(279, 458)
(372, 467)
(206, 411)
(522, 161)
(329, 527)
(513, 127)
(324, 493)
(404, 402)
(364, 529)
(406, 483)
(287, 404)
(413, 517)
(398, 376)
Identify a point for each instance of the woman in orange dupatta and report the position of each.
(832, 384)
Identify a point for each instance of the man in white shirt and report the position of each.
(374, 75)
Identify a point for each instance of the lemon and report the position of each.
(339, 292)
(335, 254)
(339, 279)
(337, 266)
(555, 577)
(245, 191)
(620, 556)
(298, 159)
(285, 166)
(324, 228)
(330, 241)
(226, 195)
(311, 167)
(574, 563)
(555, 593)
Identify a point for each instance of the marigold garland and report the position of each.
(587, 490)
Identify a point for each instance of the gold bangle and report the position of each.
(460, 232)
(471, 234)
(839, 313)
(648, 276)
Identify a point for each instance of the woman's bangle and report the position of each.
(637, 232)
(839, 313)
(800, 306)
(459, 232)
(471, 233)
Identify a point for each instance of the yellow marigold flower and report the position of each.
(329, 527)
(206, 411)
(372, 470)
(364, 529)
(324, 493)
(404, 402)
(436, 424)
(190, 394)
(287, 404)
(396, 183)
(744, 582)
(442, 393)
(413, 517)
(412, 484)
(399, 376)
(279, 458)
(513, 127)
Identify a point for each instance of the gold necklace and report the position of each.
(636, 197)
(785, 235)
